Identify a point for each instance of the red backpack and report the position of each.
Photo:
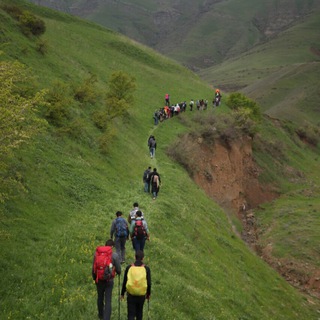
(139, 230)
(102, 266)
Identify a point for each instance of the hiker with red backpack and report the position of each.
(139, 232)
(106, 265)
(137, 284)
(119, 229)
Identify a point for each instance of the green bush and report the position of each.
(60, 101)
(238, 101)
(42, 46)
(30, 24)
(87, 92)
(309, 133)
(14, 11)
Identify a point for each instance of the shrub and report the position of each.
(14, 11)
(87, 91)
(120, 94)
(42, 46)
(100, 119)
(309, 133)
(104, 141)
(30, 24)
(238, 101)
(60, 101)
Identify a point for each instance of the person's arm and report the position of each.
(128, 233)
(94, 276)
(124, 283)
(148, 282)
(112, 229)
(145, 225)
(131, 229)
(116, 262)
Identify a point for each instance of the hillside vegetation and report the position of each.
(268, 50)
(282, 74)
(77, 174)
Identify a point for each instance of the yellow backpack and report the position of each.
(137, 280)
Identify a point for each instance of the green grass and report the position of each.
(282, 74)
(200, 269)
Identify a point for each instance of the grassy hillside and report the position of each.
(270, 50)
(197, 33)
(282, 74)
(200, 269)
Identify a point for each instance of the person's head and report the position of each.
(136, 204)
(149, 168)
(118, 213)
(139, 255)
(154, 169)
(110, 243)
(139, 214)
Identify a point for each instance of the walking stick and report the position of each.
(119, 295)
(148, 309)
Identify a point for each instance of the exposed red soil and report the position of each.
(230, 176)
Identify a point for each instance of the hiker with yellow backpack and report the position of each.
(137, 284)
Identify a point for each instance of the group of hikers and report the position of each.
(169, 110)
(107, 264)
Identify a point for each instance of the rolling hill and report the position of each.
(73, 187)
(269, 51)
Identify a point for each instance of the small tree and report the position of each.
(60, 101)
(237, 101)
(87, 92)
(120, 94)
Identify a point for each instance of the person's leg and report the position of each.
(142, 243)
(123, 249)
(107, 301)
(139, 307)
(117, 244)
(100, 300)
(131, 307)
(137, 244)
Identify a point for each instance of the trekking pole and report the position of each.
(148, 309)
(119, 295)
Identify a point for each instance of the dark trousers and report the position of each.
(104, 290)
(135, 307)
(138, 244)
(120, 244)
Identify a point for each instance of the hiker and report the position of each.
(152, 144)
(139, 232)
(132, 214)
(146, 179)
(156, 117)
(106, 265)
(191, 103)
(155, 182)
(217, 98)
(137, 284)
(167, 99)
(119, 229)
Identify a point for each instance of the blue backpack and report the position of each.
(121, 228)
